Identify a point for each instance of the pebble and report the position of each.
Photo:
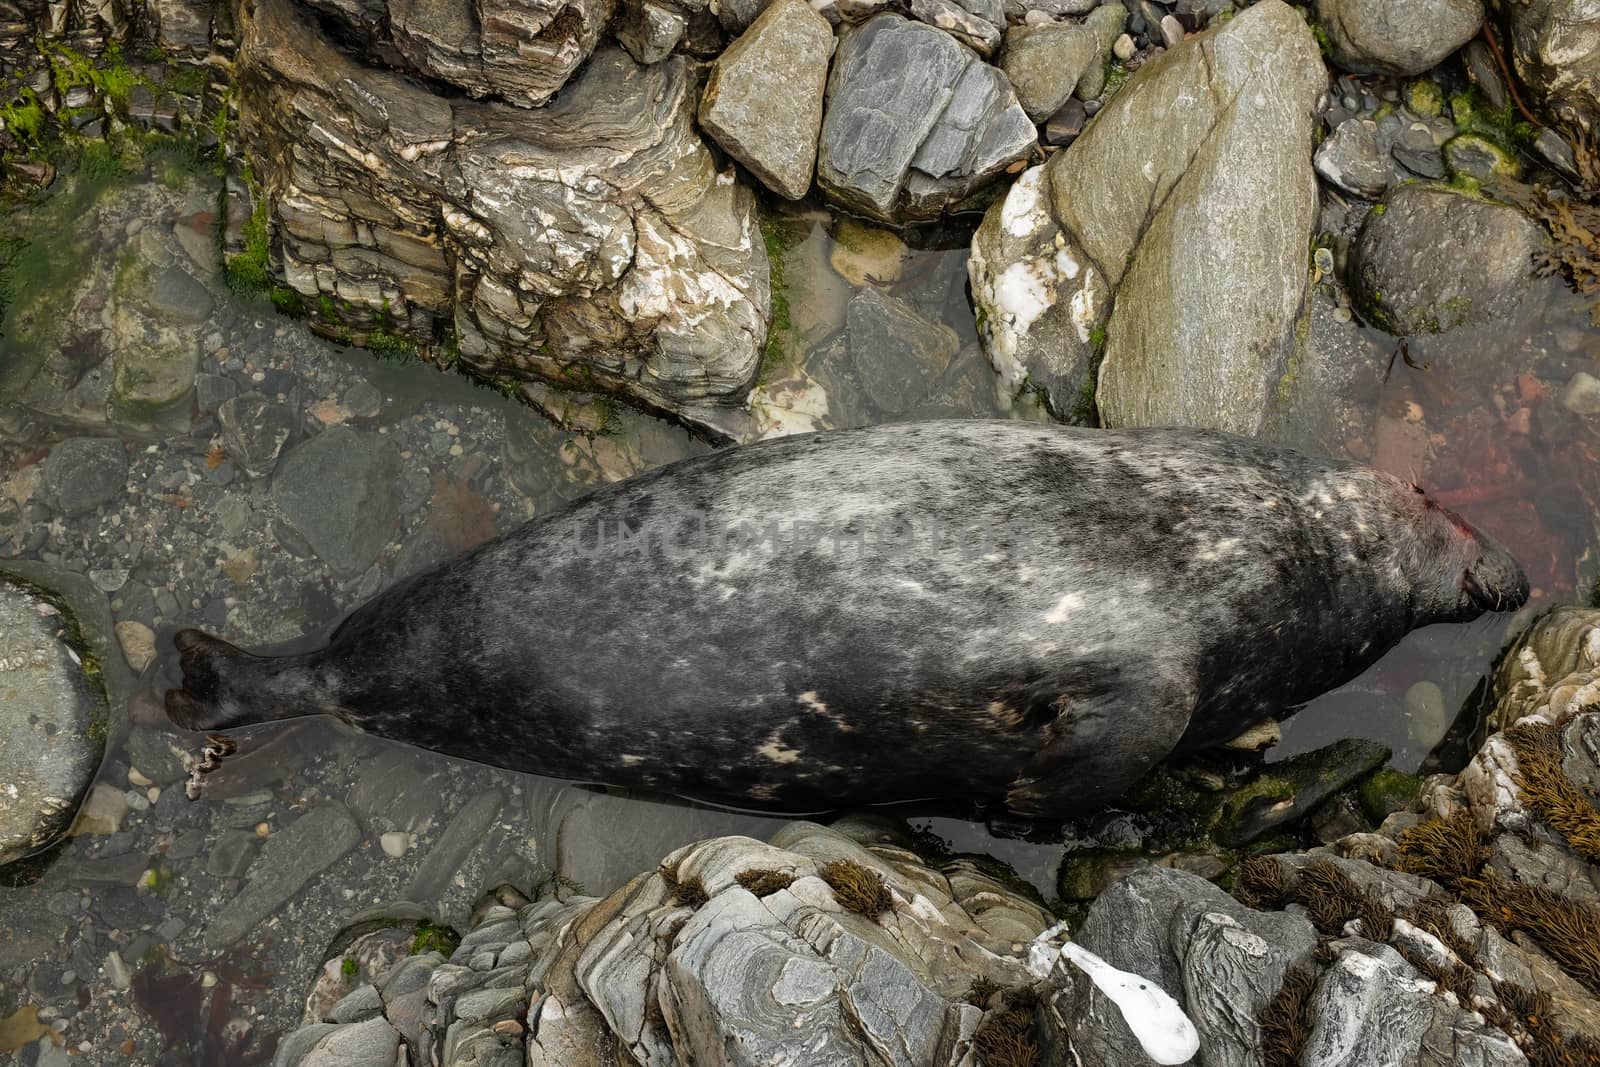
(395, 843)
(1123, 48)
(1582, 396)
(1171, 31)
(139, 778)
(138, 643)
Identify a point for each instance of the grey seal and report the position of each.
(1019, 616)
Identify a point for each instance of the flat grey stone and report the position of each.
(289, 859)
(340, 491)
(83, 473)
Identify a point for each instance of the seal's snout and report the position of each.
(1495, 582)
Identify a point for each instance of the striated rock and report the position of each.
(915, 123)
(54, 717)
(589, 241)
(1378, 37)
(1406, 274)
(897, 354)
(763, 97)
(1555, 45)
(1163, 200)
(254, 431)
(731, 951)
(521, 51)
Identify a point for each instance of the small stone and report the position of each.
(138, 643)
(138, 778)
(866, 255)
(254, 431)
(1582, 395)
(1123, 48)
(1429, 716)
(1171, 31)
(395, 843)
(363, 400)
(1474, 156)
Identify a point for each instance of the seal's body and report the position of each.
(991, 611)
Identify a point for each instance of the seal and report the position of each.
(1027, 617)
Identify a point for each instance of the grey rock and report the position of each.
(182, 26)
(649, 31)
(1016, 10)
(54, 716)
(763, 97)
(84, 473)
(915, 123)
(897, 354)
(373, 1043)
(1377, 37)
(522, 51)
(1311, 778)
(254, 431)
(1044, 64)
(1425, 162)
(1556, 151)
(594, 232)
(339, 491)
(1352, 160)
(210, 390)
(1582, 394)
(1367, 1008)
(289, 859)
(1406, 273)
(175, 294)
(358, 1005)
(978, 34)
(1477, 157)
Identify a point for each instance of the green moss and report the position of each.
(1379, 209)
(1387, 792)
(392, 345)
(432, 937)
(247, 271)
(25, 118)
(1324, 42)
(780, 332)
(1424, 97)
(287, 301)
(349, 968)
(110, 76)
(1266, 788)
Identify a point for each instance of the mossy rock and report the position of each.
(1387, 792)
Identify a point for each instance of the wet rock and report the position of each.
(1375, 37)
(1556, 52)
(1352, 160)
(763, 97)
(289, 859)
(182, 26)
(373, 1043)
(914, 123)
(1582, 394)
(1293, 789)
(54, 718)
(1406, 270)
(465, 832)
(84, 473)
(593, 233)
(897, 354)
(339, 490)
(522, 51)
(138, 643)
(254, 431)
(155, 349)
(1473, 156)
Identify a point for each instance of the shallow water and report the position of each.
(195, 542)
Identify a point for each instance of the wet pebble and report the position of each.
(1582, 395)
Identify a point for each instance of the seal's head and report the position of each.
(1463, 571)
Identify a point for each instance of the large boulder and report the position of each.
(591, 242)
(55, 715)
(915, 123)
(521, 51)
(1555, 45)
(1407, 272)
(1379, 37)
(1190, 198)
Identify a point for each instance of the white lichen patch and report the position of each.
(1023, 214)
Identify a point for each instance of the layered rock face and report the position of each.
(592, 241)
(521, 51)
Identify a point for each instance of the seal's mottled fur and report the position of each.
(1092, 601)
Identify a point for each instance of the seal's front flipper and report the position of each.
(1099, 746)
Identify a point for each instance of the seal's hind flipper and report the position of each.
(1099, 746)
(198, 705)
